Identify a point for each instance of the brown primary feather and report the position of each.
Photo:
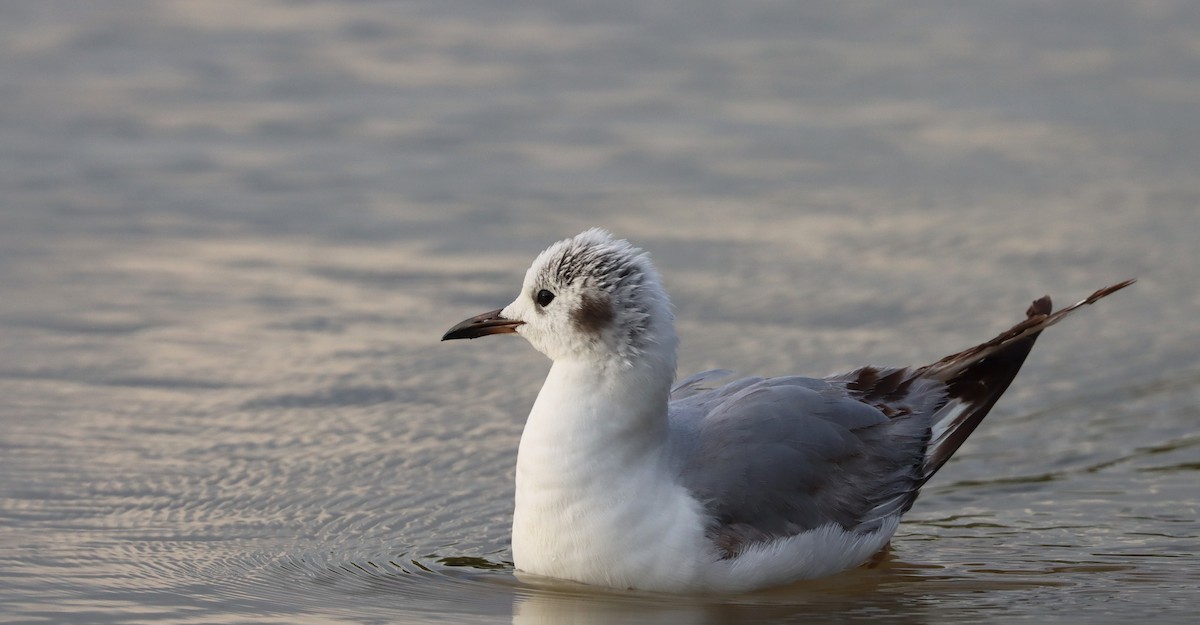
(1038, 318)
(974, 380)
(978, 376)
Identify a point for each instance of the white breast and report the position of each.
(596, 501)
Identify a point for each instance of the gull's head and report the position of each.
(590, 297)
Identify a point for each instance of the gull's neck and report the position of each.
(597, 500)
(595, 412)
(602, 406)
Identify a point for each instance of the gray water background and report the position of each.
(231, 234)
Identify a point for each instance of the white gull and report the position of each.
(626, 482)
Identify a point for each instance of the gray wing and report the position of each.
(695, 383)
(774, 457)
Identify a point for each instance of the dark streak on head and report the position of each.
(605, 267)
(594, 314)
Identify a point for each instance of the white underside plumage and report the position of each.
(598, 502)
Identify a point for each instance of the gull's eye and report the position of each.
(544, 298)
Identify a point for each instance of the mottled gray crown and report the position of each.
(620, 292)
(597, 258)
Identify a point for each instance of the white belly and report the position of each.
(630, 529)
(635, 529)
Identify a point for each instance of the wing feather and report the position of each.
(774, 457)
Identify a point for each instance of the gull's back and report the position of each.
(773, 458)
(777, 457)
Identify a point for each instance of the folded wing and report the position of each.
(771, 458)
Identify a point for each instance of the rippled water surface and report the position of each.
(231, 235)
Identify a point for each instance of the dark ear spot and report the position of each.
(593, 314)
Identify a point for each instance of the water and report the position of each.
(232, 233)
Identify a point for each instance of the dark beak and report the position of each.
(482, 325)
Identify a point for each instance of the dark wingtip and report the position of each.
(979, 376)
(1040, 306)
(1109, 290)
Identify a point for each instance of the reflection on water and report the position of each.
(232, 235)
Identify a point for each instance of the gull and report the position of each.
(626, 481)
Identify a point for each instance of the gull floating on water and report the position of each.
(625, 481)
